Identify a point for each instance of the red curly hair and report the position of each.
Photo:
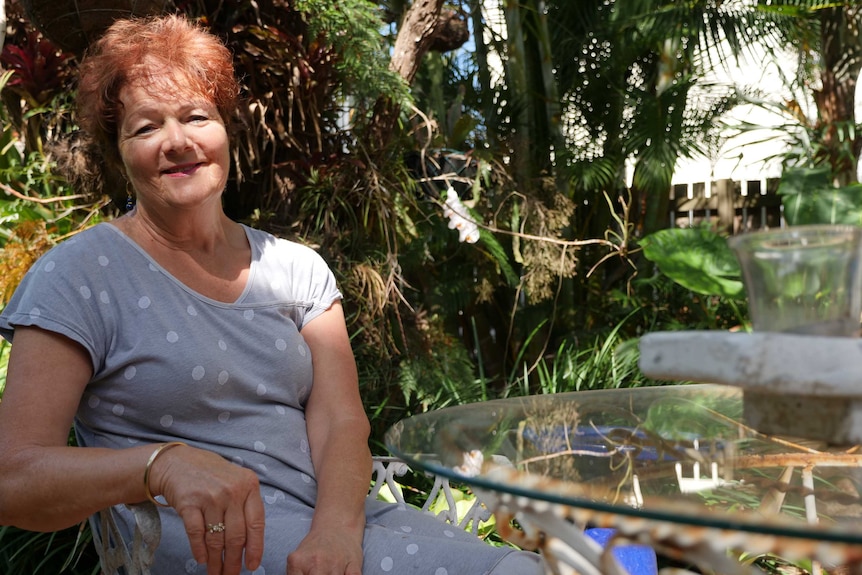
(167, 54)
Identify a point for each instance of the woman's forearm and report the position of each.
(51, 488)
(342, 463)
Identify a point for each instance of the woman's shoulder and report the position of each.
(270, 246)
(94, 243)
(66, 289)
(298, 270)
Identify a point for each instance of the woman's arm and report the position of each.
(338, 431)
(46, 485)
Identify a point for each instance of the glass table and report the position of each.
(673, 467)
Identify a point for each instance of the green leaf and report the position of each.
(461, 130)
(809, 197)
(496, 250)
(698, 259)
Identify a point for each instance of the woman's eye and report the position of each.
(198, 118)
(143, 130)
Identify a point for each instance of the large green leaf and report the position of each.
(809, 197)
(698, 259)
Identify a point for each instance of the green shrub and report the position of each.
(68, 551)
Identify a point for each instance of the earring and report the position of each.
(130, 200)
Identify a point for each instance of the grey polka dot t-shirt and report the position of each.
(170, 364)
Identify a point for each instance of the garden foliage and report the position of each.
(566, 271)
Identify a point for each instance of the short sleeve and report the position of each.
(57, 294)
(320, 281)
(309, 284)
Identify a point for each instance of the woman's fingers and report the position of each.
(221, 508)
(233, 539)
(195, 525)
(240, 535)
(255, 520)
(221, 544)
(215, 535)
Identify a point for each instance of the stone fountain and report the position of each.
(800, 368)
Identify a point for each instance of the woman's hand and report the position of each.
(207, 491)
(326, 552)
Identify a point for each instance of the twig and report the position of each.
(13, 192)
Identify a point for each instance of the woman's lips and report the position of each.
(185, 169)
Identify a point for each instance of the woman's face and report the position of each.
(174, 147)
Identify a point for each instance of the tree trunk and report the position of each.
(842, 60)
(553, 108)
(521, 102)
(488, 99)
(415, 36)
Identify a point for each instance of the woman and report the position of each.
(205, 365)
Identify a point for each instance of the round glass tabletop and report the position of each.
(677, 454)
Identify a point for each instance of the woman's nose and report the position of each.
(175, 136)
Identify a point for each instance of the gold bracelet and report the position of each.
(158, 451)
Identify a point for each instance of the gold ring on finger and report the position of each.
(215, 527)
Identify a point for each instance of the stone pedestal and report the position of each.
(800, 386)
